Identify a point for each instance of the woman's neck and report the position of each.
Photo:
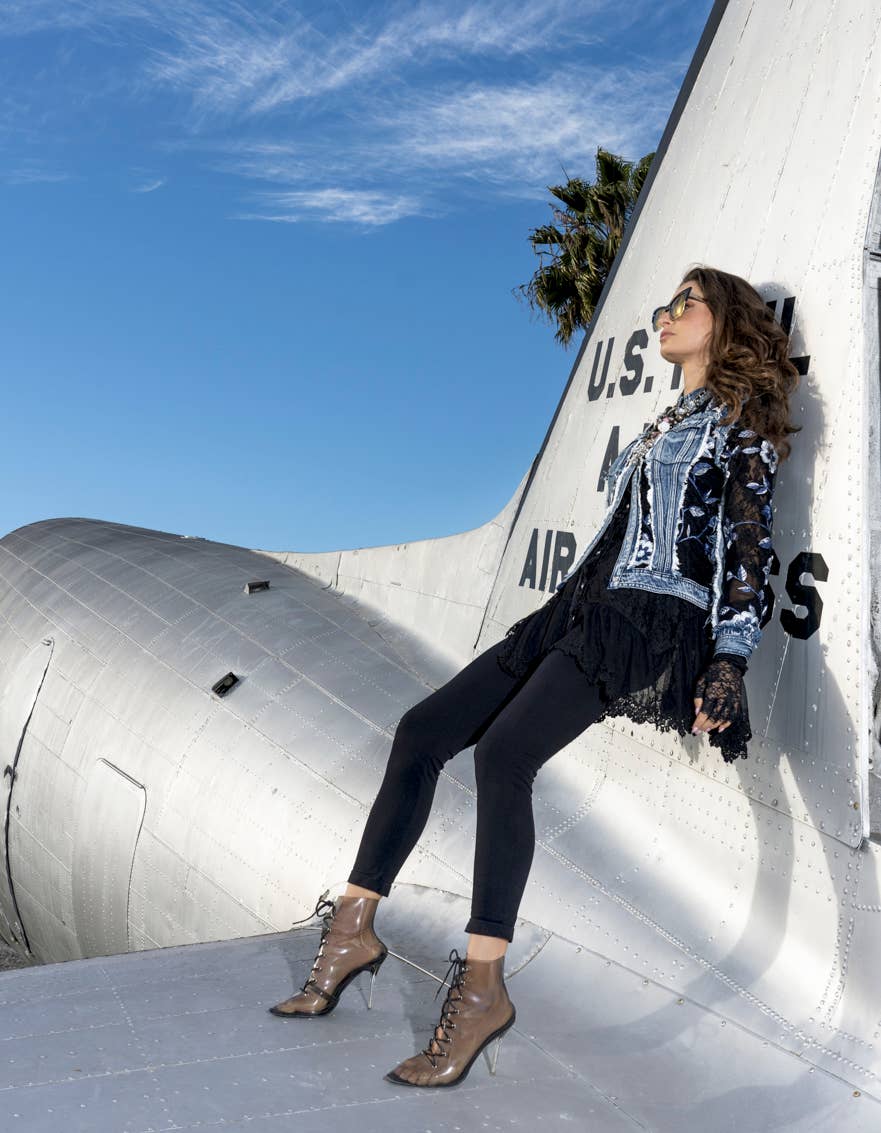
(694, 372)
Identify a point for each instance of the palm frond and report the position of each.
(583, 241)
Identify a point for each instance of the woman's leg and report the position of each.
(554, 705)
(428, 735)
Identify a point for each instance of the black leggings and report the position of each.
(517, 724)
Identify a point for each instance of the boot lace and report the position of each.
(458, 967)
(324, 909)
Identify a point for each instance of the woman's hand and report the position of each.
(718, 698)
(703, 723)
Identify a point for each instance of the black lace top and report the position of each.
(650, 654)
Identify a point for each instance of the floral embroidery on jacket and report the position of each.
(696, 528)
(645, 546)
(742, 598)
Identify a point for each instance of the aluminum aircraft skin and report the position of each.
(142, 809)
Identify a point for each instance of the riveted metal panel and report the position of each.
(110, 818)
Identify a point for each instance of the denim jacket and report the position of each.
(700, 523)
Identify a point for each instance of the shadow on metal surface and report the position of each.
(180, 1038)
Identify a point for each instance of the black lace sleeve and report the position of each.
(747, 519)
(721, 688)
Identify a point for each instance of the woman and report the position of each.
(656, 620)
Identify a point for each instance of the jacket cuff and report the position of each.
(732, 641)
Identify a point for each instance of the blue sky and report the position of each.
(259, 258)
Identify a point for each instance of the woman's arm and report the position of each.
(747, 521)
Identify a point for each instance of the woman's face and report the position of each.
(687, 339)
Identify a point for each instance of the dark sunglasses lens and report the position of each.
(656, 315)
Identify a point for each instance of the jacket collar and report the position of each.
(689, 400)
(713, 407)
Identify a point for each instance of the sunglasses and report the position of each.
(675, 308)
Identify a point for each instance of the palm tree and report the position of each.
(583, 241)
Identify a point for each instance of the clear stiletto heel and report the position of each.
(373, 972)
(495, 1056)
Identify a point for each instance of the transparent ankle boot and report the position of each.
(348, 947)
(476, 1012)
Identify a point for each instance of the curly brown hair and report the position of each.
(749, 357)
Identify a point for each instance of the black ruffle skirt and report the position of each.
(644, 651)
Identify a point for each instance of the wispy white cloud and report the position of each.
(28, 17)
(235, 58)
(375, 113)
(31, 173)
(148, 184)
(523, 132)
(512, 139)
(369, 209)
(237, 61)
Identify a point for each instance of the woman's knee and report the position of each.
(500, 759)
(416, 740)
(415, 726)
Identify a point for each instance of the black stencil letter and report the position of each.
(564, 556)
(596, 382)
(546, 554)
(612, 451)
(530, 566)
(806, 562)
(633, 362)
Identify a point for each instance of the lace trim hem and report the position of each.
(642, 707)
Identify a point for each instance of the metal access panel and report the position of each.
(111, 818)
